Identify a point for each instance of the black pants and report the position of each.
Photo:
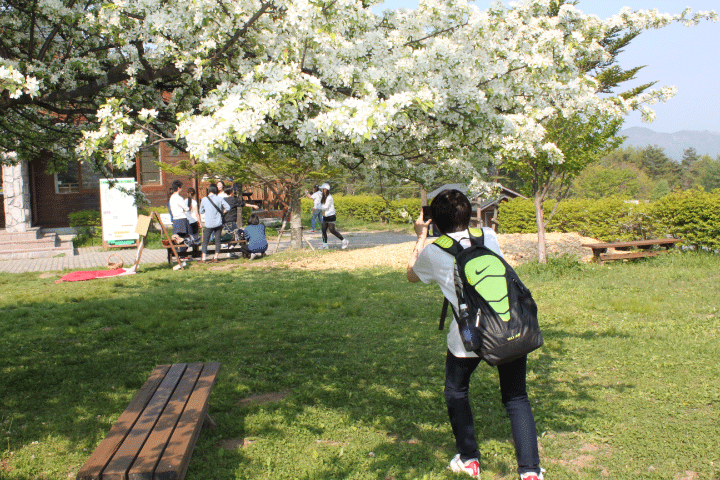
(329, 224)
(514, 396)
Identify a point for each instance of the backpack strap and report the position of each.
(453, 247)
(216, 207)
(443, 313)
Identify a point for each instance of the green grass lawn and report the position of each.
(330, 375)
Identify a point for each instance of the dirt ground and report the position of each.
(517, 248)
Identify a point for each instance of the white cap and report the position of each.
(324, 186)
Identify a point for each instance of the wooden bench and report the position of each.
(631, 249)
(233, 246)
(155, 436)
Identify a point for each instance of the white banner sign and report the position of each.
(119, 213)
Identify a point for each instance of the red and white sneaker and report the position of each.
(532, 475)
(471, 467)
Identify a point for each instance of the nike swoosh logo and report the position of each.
(481, 271)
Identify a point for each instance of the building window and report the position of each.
(149, 168)
(69, 180)
(78, 177)
(89, 179)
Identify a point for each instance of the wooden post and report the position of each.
(282, 229)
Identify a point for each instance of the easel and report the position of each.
(142, 228)
(286, 215)
(285, 219)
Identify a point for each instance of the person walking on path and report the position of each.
(451, 211)
(316, 214)
(328, 223)
(212, 207)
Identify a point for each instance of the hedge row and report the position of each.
(693, 215)
(372, 208)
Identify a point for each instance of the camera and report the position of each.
(426, 213)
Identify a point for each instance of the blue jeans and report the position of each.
(316, 219)
(514, 396)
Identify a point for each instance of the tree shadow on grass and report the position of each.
(361, 347)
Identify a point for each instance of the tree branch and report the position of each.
(51, 37)
(240, 32)
(434, 34)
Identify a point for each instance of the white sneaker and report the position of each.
(345, 244)
(471, 467)
(324, 246)
(533, 475)
(253, 256)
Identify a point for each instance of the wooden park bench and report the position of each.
(631, 249)
(156, 434)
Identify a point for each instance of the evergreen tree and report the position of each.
(659, 166)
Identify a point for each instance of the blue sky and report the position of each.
(685, 57)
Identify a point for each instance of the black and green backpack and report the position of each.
(497, 315)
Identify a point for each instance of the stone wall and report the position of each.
(16, 191)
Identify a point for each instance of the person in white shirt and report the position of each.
(316, 214)
(193, 215)
(328, 209)
(177, 208)
(451, 212)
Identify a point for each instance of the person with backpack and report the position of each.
(213, 208)
(451, 212)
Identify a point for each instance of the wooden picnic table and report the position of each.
(156, 435)
(631, 249)
(231, 246)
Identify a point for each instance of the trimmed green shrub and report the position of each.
(87, 225)
(608, 219)
(693, 215)
(372, 208)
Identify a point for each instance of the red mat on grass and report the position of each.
(92, 275)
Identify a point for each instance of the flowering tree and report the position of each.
(322, 81)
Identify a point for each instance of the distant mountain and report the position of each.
(704, 142)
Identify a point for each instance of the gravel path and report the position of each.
(367, 249)
(393, 250)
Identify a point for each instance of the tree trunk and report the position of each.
(540, 220)
(295, 216)
(423, 196)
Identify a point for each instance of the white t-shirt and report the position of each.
(328, 207)
(317, 200)
(178, 206)
(193, 210)
(435, 265)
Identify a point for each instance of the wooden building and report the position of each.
(54, 196)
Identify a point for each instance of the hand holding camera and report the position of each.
(423, 222)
